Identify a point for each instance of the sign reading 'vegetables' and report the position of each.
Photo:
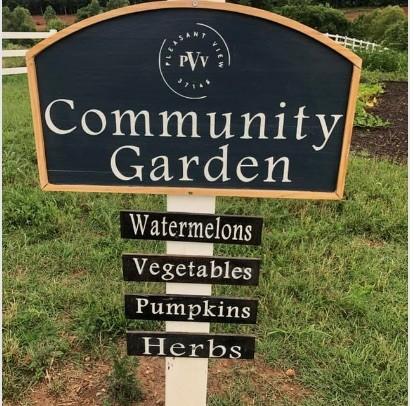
(228, 100)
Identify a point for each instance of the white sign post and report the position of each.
(186, 378)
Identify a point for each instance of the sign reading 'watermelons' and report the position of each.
(192, 227)
(228, 100)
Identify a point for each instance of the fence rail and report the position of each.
(13, 53)
(354, 43)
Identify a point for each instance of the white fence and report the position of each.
(12, 53)
(354, 43)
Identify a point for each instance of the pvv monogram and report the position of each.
(191, 59)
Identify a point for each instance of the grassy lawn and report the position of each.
(333, 288)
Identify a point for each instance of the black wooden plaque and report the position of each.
(217, 97)
(212, 309)
(192, 345)
(193, 227)
(190, 269)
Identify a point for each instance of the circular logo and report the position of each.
(190, 61)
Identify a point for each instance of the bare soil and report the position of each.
(41, 23)
(391, 142)
(86, 384)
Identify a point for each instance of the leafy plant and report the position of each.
(123, 386)
(367, 98)
(56, 24)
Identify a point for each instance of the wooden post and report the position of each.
(186, 378)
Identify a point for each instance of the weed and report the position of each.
(123, 386)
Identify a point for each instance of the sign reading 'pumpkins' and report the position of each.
(212, 99)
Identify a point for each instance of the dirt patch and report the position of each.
(85, 384)
(266, 385)
(390, 142)
(41, 23)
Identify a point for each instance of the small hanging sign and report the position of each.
(191, 345)
(190, 269)
(194, 227)
(191, 308)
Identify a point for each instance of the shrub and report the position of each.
(92, 9)
(374, 26)
(321, 18)
(384, 61)
(49, 14)
(55, 24)
(123, 384)
(396, 36)
(17, 20)
(113, 4)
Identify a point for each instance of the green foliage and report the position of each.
(385, 60)
(321, 18)
(378, 76)
(396, 36)
(56, 24)
(17, 20)
(49, 14)
(113, 4)
(375, 27)
(123, 386)
(368, 93)
(92, 9)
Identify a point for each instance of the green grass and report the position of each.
(333, 288)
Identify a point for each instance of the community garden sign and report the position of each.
(192, 99)
(212, 99)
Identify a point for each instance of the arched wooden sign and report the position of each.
(193, 98)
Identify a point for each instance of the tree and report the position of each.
(396, 36)
(92, 9)
(17, 20)
(6, 19)
(374, 25)
(49, 14)
(113, 4)
(321, 18)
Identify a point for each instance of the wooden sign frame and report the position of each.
(37, 124)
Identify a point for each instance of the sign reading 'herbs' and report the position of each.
(192, 345)
(221, 102)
